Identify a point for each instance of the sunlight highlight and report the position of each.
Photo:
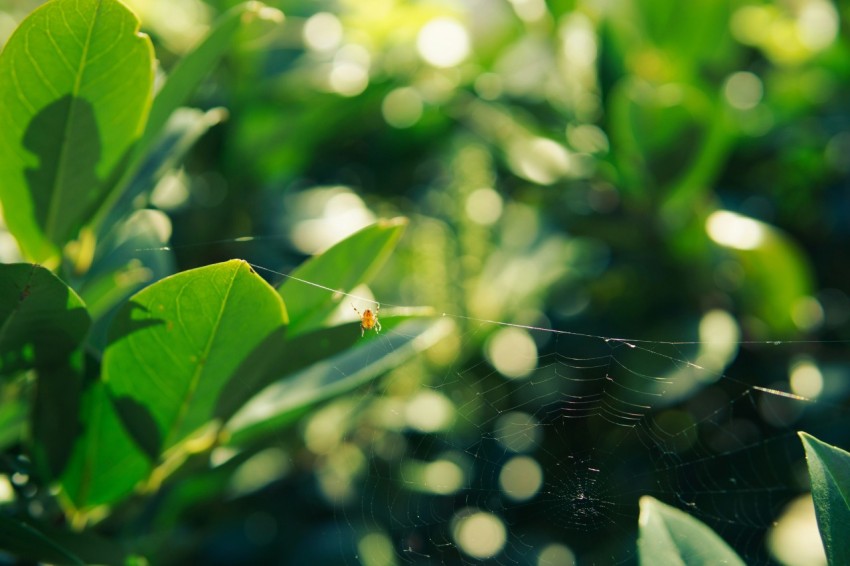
(512, 352)
(402, 107)
(556, 555)
(806, 378)
(479, 534)
(521, 478)
(322, 32)
(443, 42)
(484, 206)
(429, 411)
(734, 230)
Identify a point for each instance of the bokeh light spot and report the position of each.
(743, 90)
(322, 32)
(479, 534)
(443, 42)
(734, 231)
(484, 206)
(806, 378)
(512, 352)
(521, 478)
(429, 411)
(402, 107)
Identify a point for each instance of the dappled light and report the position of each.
(395, 282)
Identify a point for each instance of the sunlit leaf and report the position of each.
(342, 267)
(176, 345)
(41, 319)
(75, 88)
(671, 536)
(829, 470)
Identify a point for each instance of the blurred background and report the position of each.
(665, 171)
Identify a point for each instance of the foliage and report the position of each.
(623, 169)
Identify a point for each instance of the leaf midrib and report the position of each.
(199, 367)
(53, 208)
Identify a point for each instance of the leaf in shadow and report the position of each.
(132, 318)
(137, 418)
(42, 321)
(56, 413)
(54, 203)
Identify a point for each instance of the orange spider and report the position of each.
(368, 319)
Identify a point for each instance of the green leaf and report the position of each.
(41, 319)
(176, 345)
(196, 65)
(277, 404)
(56, 413)
(671, 536)
(829, 470)
(75, 89)
(342, 267)
(25, 541)
(105, 464)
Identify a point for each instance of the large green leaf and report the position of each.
(75, 89)
(175, 346)
(333, 375)
(342, 267)
(41, 319)
(829, 470)
(671, 536)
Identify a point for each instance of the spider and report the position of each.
(368, 319)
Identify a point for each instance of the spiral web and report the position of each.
(548, 468)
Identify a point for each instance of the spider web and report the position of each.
(462, 462)
(549, 467)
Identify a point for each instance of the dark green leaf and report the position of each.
(41, 319)
(178, 343)
(829, 470)
(25, 541)
(75, 88)
(105, 464)
(671, 536)
(342, 267)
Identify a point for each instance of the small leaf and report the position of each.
(276, 405)
(671, 536)
(75, 88)
(177, 344)
(829, 470)
(342, 267)
(41, 319)
(25, 541)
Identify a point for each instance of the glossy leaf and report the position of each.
(829, 470)
(41, 319)
(75, 89)
(26, 541)
(671, 536)
(342, 267)
(333, 375)
(178, 343)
